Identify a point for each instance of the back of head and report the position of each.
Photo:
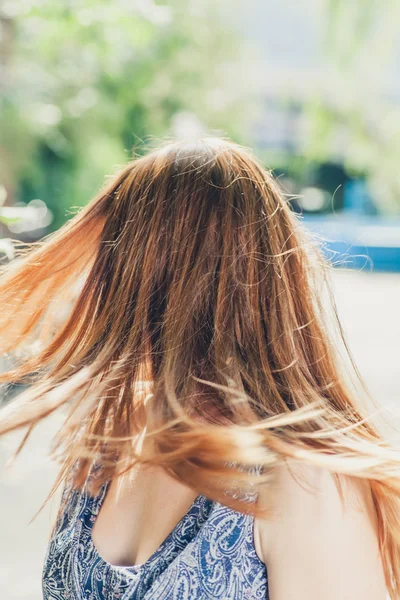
(195, 337)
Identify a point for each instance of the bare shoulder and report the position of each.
(320, 537)
(304, 487)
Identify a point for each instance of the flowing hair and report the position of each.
(184, 305)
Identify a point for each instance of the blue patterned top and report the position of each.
(209, 554)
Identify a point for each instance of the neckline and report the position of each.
(98, 501)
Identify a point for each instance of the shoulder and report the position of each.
(324, 533)
(302, 490)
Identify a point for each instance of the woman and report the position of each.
(212, 446)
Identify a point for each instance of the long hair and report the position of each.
(183, 306)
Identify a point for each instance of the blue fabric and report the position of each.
(209, 554)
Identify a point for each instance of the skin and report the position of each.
(313, 546)
(316, 548)
(137, 514)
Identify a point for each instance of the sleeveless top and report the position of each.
(209, 554)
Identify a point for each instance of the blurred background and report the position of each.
(312, 87)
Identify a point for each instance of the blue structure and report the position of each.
(359, 241)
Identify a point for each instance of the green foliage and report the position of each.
(352, 115)
(90, 80)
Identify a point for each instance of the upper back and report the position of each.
(208, 553)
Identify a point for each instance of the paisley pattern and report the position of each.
(210, 554)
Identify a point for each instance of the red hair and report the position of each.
(195, 322)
